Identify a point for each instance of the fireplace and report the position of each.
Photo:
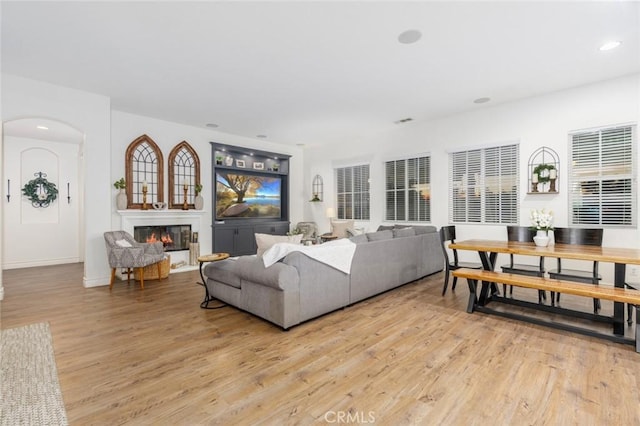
(173, 237)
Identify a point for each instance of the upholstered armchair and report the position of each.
(125, 252)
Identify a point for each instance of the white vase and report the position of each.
(198, 202)
(121, 200)
(541, 239)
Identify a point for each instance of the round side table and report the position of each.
(213, 257)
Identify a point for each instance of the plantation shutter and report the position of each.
(408, 190)
(353, 192)
(602, 177)
(483, 185)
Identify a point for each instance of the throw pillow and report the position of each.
(339, 227)
(266, 241)
(380, 235)
(359, 239)
(123, 243)
(355, 231)
(384, 227)
(403, 232)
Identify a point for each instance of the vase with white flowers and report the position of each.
(542, 222)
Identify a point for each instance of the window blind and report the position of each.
(408, 190)
(602, 183)
(483, 185)
(353, 192)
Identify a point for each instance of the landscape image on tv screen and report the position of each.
(247, 196)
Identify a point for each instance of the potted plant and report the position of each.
(198, 201)
(276, 167)
(219, 159)
(121, 198)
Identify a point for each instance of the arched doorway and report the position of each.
(34, 233)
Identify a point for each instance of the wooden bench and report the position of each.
(605, 292)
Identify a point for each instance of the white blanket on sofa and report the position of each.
(338, 254)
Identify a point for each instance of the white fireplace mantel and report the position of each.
(131, 218)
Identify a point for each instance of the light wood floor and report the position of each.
(409, 356)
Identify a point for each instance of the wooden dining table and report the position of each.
(620, 257)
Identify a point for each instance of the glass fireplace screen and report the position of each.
(173, 237)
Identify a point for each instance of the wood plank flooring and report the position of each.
(409, 356)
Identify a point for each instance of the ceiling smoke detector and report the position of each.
(404, 120)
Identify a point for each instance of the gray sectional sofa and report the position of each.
(299, 288)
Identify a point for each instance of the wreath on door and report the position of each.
(40, 191)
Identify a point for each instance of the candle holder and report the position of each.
(144, 199)
(534, 186)
(185, 206)
(552, 185)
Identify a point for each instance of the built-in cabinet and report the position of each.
(239, 240)
(263, 208)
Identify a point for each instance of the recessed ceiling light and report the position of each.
(481, 100)
(261, 136)
(212, 125)
(409, 36)
(610, 45)
(42, 127)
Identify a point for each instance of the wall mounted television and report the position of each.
(243, 195)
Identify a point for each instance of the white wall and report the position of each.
(126, 127)
(89, 113)
(541, 121)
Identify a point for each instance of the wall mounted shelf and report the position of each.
(544, 171)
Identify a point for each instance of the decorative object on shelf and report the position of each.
(121, 198)
(228, 161)
(185, 189)
(8, 190)
(145, 187)
(240, 163)
(40, 191)
(219, 160)
(317, 188)
(543, 171)
(258, 165)
(275, 167)
(198, 201)
(159, 205)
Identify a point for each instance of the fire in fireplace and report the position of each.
(173, 237)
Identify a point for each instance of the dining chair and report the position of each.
(580, 236)
(523, 234)
(448, 235)
(123, 251)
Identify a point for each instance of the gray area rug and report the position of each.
(29, 388)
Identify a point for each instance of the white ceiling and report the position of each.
(316, 72)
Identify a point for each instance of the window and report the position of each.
(353, 192)
(483, 185)
(602, 172)
(184, 171)
(144, 167)
(408, 190)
